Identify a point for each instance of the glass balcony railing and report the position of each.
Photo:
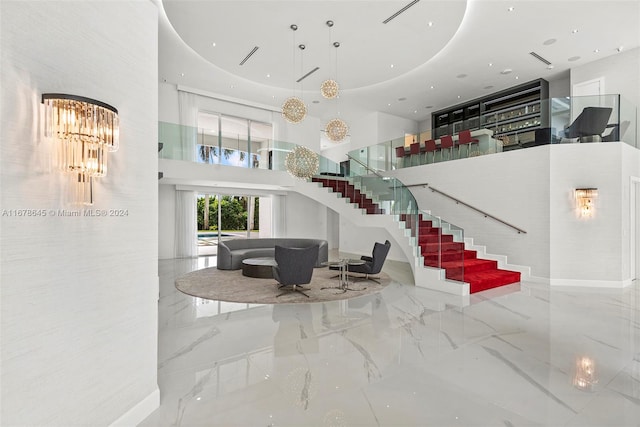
(605, 118)
(430, 237)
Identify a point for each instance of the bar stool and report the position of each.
(414, 151)
(464, 138)
(430, 147)
(446, 141)
(400, 153)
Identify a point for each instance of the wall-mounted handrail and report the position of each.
(364, 166)
(460, 202)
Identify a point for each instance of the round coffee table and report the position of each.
(259, 268)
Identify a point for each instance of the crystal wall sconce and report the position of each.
(585, 198)
(84, 131)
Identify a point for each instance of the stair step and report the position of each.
(429, 230)
(467, 266)
(483, 280)
(435, 238)
(444, 247)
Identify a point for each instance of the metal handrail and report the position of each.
(365, 166)
(460, 202)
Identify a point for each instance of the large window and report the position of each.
(225, 217)
(233, 141)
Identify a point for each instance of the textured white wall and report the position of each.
(393, 127)
(166, 221)
(304, 217)
(584, 251)
(79, 294)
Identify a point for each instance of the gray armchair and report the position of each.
(295, 267)
(373, 264)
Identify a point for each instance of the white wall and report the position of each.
(304, 217)
(393, 127)
(360, 240)
(166, 221)
(79, 294)
(533, 190)
(560, 86)
(586, 251)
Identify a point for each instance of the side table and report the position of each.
(343, 278)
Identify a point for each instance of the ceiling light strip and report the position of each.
(246, 58)
(386, 21)
(539, 58)
(307, 75)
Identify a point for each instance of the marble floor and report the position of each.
(524, 356)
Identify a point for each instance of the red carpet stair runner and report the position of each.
(459, 263)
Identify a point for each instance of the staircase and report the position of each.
(438, 249)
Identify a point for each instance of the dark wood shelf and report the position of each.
(504, 102)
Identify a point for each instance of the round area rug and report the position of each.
(232, 286)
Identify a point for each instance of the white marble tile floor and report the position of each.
(404, 357)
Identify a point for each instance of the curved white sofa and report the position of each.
(232, 252)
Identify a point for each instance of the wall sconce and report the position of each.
(585, 377)
(585, 198)
(85, 131)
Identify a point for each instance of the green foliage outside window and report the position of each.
(234, 213)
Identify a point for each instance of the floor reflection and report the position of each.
(406, 356)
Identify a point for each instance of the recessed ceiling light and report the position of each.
(458, 96)
(511, 9)
(517, 77)
(575, 30)
(415, 111)
(573, 58)
(430, 87)
(430, 24)
(549, 41)
(490, 64)
(596, 50)
(268, 75)
(389, 105)
(506, 71)
(181, 74)
(231, 86)
(391, 65)
(213, 44)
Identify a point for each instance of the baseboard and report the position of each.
(537, 279)
(609, 284)
(140, 411)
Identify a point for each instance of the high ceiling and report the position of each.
(433, 55)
